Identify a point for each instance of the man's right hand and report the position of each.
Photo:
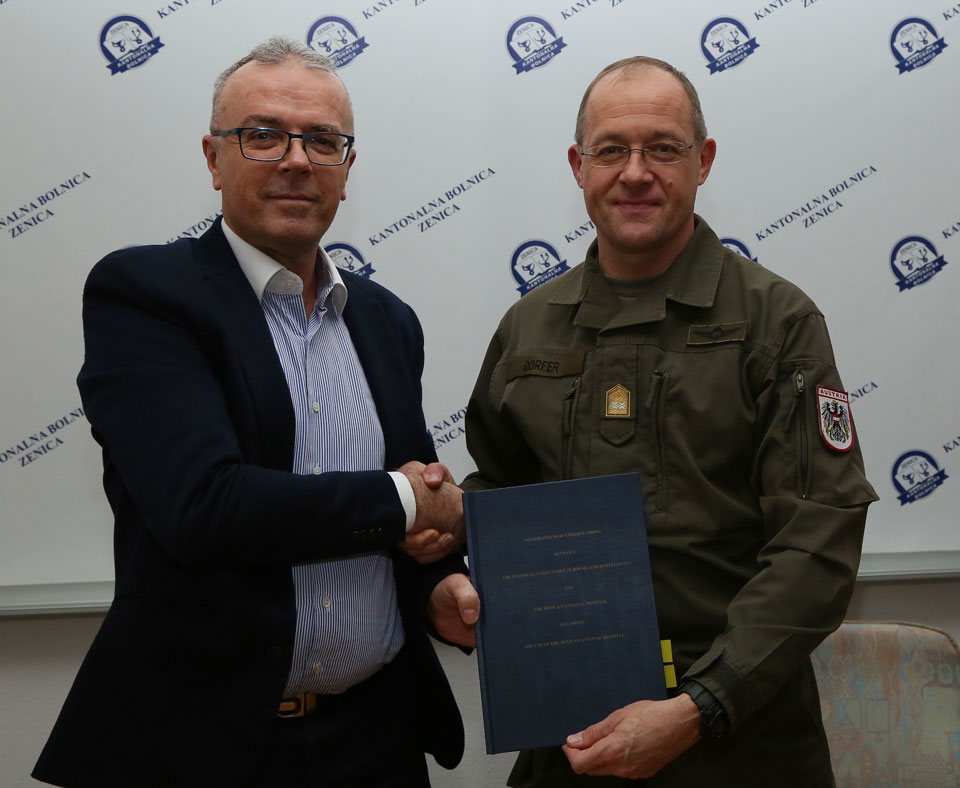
(438, 528)
(636, 741)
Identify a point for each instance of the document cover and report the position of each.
(568, 627)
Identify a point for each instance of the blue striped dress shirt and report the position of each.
(348, 622)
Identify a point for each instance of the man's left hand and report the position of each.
(429, 545)
(636, 741)
(454, 608)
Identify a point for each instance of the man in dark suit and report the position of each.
(269, 623)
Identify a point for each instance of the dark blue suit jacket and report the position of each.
(185, 393)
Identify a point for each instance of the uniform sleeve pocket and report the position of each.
(817, 464)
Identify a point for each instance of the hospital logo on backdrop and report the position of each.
(738, 246)
(536, 262)
(915, 43)
(725, 43)
(127, 42)
(349, 258)
(336, 38)
(914, 261)
(532, 43)
(916, 475)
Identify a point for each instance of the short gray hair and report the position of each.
(275, 50)
(642, 63)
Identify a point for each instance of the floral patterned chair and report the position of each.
(890, 696)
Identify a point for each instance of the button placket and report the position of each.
(618, 380)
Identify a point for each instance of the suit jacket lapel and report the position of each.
(382, 359)
(242, 314)
(382, 356)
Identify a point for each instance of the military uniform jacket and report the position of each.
(707, 384)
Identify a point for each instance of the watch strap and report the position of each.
(714, 722)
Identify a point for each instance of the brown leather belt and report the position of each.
(302, 705)
(306, 703)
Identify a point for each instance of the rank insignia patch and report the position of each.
(618, 402)
(836, 426)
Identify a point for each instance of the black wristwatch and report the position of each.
(714, 723)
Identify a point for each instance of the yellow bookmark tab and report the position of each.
(667, 648)
(670, 675)
(669, 672)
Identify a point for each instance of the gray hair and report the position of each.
(632, 65)
(275, 50)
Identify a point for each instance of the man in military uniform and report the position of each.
(666, 353)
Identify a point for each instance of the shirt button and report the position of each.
(316, 407)
(325, 602)
(317, 470)
(317, 668)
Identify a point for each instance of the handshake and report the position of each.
(438, 528)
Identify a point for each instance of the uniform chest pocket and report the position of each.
(631, 425)
(541, 395)
(622, 411)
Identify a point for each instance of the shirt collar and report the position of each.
(691, 279)
(267, 275)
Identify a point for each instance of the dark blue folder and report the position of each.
(568, 626)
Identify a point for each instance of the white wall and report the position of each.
(40, 655)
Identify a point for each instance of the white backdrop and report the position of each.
(835, 122)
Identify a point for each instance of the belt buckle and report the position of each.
(297, 706)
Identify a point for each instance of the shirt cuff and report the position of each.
(407, 499)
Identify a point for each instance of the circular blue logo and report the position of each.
(532, 43)
(348, 258)
(915, 261)
(127, 42)
(336, 38)
(915, 43)
(738, 246)
(725, 43)
(915, 475)
(535, 262)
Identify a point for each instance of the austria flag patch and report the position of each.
(836, 424)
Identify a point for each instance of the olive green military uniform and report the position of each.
(707, 385)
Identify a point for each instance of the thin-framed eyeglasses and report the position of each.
(618, 155)
(325, 148)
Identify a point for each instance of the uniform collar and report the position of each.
(691, 279)
(267, 275)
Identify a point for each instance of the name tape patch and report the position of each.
(549, 365)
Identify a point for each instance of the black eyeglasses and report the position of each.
(259, 144)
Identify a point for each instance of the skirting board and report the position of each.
(909, 566)
(53, 598)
